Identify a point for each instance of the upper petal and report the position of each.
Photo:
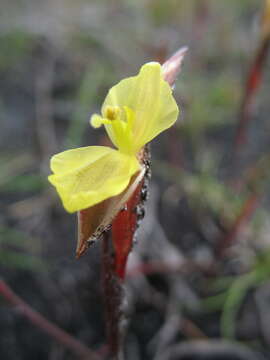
(151, 99)
(86, 176)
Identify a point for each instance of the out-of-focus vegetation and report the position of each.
(208, 214)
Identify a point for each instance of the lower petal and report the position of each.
(86, 176)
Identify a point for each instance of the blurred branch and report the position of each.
(255, 180)
(254, 78)
(44, 110)
(211, 349)
(248, 208)
(46, 326)
(162, 267)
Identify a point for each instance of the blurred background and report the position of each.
(198, 278)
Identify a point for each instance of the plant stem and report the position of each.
(247, 210)
(116, 248)
(113, 299)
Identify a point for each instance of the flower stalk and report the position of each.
(117, 242)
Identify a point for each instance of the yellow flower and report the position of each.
(135, 111)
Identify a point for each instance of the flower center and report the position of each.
(112, 112)
(119, 121)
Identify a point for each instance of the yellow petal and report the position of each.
(150, 99)
(86, 176)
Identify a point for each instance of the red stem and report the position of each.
(46, 326)
(113, 299)
(253, 82)
(248, 208)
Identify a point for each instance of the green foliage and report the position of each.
(233, 292)
(13, 177)
(213, 103)
(87, 97)
(238, 290)
(14, 45)
(13, 245)
(24, 183)
(13, 259)
(12, 165)
(204, 190)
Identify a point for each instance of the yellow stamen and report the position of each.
(97, 121)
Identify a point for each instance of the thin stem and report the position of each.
(113, 299)
(58, 334)
(248, 208)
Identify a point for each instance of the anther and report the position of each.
(111, 112)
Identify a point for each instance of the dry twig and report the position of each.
(55, 332)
